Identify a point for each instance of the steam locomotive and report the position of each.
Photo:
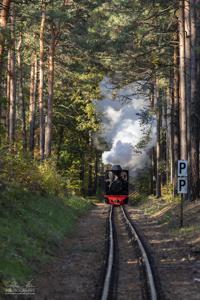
(116, 186)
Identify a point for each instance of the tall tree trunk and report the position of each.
(60, 141)
(82, 174)
(41, 81)
(90, 179)
(32, 104)
(21, 96)
(153, 150)
(90, 165)
(48, 133)
(4, 12)
(96, 170)
(8, 97)
(187, 25)
(12, 110)
(154, 170)
(158, 145)
(198, 98)
(168, 136)
(182, 88)
(175, 122)
(164, 144)
(194, 116)
(171, 136)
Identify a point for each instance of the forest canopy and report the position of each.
(53, 56)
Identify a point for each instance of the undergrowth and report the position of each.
(36, 213)
(34, 175)
(138, 198)
(185, 231)
(161, 207)
(32, 228)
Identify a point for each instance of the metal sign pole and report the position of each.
(182, 184)
(181, 215)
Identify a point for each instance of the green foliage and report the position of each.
(138, 198)
(73, 177)
(76, 85)
(187, 230)
(138, 43)
(162, 167)
(167, 218)
(32, 228)
(141, 183)
(79, 204)
(52, 180)
(32, 175)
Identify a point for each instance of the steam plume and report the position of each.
(121, 126)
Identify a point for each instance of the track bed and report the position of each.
(129, 274)
(130, 270)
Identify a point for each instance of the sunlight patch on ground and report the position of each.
(132, 262)
(163, 211)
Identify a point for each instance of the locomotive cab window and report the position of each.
(116, 182)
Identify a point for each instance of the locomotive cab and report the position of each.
(116, 185)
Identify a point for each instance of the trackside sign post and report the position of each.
(182, 183)
(182, 167)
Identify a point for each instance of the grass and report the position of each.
(138, 199)
(166, 218)
(162, 208)
(187, 230)
(32, 228)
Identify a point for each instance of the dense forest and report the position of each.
(53, 56)
(56, 58)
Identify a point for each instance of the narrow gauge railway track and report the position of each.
(122, 256)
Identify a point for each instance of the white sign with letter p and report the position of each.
(182, 167)
(182, 185)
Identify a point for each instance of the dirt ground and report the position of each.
(176, 251)
(75, 274)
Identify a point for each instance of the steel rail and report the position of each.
(107, 281)
(150, 277)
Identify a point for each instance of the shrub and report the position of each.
(33, 175)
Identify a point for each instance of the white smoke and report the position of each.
(121, 126)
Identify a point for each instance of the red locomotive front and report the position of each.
(116, 186)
